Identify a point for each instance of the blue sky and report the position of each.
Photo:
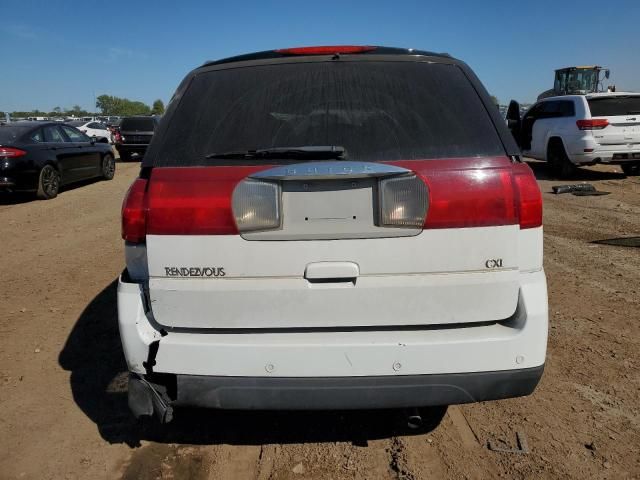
(59, 53)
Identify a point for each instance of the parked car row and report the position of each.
(41, 157)
(104, 119)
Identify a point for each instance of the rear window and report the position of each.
(138, 124)
(9, 134)
(378, 111)
(612, 106)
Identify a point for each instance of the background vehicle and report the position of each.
(93, 129)
(577, 81)
(113, 124)
(135, 135)
(43, 156)
(574, 130)
(332, 227)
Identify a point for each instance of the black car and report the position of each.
(135, 135)
(42, 156)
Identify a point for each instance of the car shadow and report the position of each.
(16, 198)
(619, 242)
(7, 198)
(136, 157)
(93, 354)
(582, 174)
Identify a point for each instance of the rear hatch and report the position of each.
(622, 114)
(137, 130)
(416, 224)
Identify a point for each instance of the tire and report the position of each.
(631, 169)
(125, 156)
(108, 167)
(48, 183)
(559, 161)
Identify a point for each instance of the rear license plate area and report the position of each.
(332, 209)
(328, 202)
(329, 210)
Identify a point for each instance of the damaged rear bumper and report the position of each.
(346, 369)
(329, 393)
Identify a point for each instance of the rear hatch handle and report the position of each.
(332, 273)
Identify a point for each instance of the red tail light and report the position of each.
(134, 212)
(462, 195)
(198, 200)
(326, 50)
(193, 201)
(592, 124)
(9, 152)
(182, 201)
(528, 196)
(470, 198)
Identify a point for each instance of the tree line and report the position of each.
(108, 105)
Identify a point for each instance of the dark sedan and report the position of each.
(43, 156)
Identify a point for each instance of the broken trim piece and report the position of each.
(146, 399)
(582, 187)
(138, 329)
(151, 357)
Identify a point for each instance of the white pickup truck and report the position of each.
(574, 130)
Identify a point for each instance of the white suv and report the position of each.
(576, 130)
(329, 228)
(93, 129)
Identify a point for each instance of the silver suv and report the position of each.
(332, 227)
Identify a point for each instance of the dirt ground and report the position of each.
(63, 387)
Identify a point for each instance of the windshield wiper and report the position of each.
(309, 152)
